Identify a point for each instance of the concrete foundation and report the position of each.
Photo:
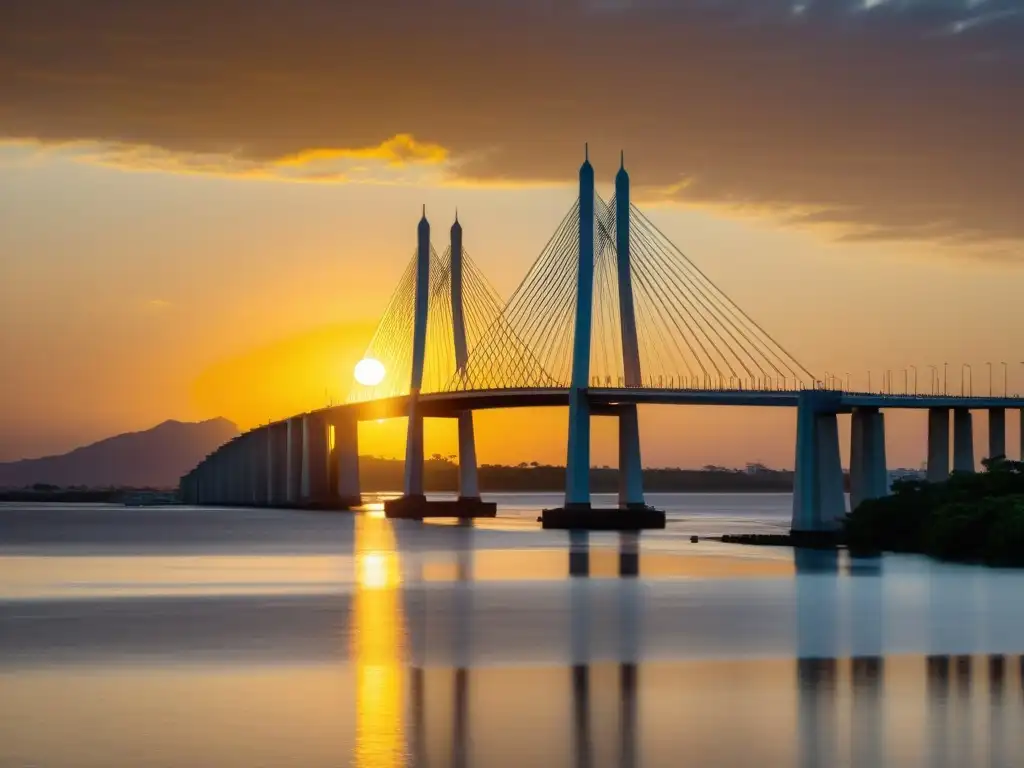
(938, 444)
(603, 519)
(996, 432)
(418, 508)
(869, 477)
(963, 440)
(819, 504)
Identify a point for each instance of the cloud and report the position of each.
(878, 118)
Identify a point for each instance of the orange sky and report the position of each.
(204, 231)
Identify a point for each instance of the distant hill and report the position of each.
(155, 458)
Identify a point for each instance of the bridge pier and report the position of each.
(234, 471)
(293, 461)
(869, 477)
(996, 432)
(938, 444)
(277, 465)
(346, 462)
(259, 459)
(963, 440)
(818, 501)
(315, 458)
(631, 476)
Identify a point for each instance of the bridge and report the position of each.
(610, 316)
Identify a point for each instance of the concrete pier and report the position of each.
(869, 478)
(631, 478)
(259, 457)
(315, 456)
(938, 444)
(277, 464)
(996, 432)
(818, 500)
(963, 440)
(294, 461)
(346, 459)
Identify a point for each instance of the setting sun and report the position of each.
(369, 372)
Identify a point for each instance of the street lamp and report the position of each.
(1006, 390)
(914, 367)
(906, 382)
(945, 378)
(933, 384)
(989, 379)
(970, 379)
(847, 381)
(869, 379)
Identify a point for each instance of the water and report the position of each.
(199, 637)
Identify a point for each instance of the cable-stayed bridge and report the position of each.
(611, 315)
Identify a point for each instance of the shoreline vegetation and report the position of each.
(969, 518)
(441, 474)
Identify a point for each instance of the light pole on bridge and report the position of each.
(989, 379)
(914, 368)
(1006, 390)
(934, 383)
(970, 378)
(945, 378)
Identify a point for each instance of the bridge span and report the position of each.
(610, 299)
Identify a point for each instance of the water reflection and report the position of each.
(378, 645)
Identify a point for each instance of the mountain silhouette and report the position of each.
(154, 458)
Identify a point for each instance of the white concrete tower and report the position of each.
(469, 487)
(577, 478)
(414, 439)
(631, 481)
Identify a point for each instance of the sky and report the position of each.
(204, 208)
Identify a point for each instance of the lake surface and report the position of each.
(233, 637)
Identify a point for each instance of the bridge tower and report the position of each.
(413, 489)
(631, 483)
(577, 512)
(468, 485)
(577, 479)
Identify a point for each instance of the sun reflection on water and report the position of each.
(377, 640)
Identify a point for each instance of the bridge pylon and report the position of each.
(577, 512)
(413, 502)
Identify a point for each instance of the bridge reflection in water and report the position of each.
(619, 707)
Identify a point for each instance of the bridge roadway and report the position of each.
(449, 404)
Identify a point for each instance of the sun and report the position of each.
(369, 372)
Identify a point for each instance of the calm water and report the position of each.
(199, 637)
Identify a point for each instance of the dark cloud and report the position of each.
(894, 119)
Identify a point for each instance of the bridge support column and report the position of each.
(996, 432)
(818, 501)
(938, 444)
(293, 461)
(315, 456)
(277, 465)
(469, 485)
(346, 456)
(230, 473)
(869, 477)
(631, 477)
(259, 450)
(963, 440)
